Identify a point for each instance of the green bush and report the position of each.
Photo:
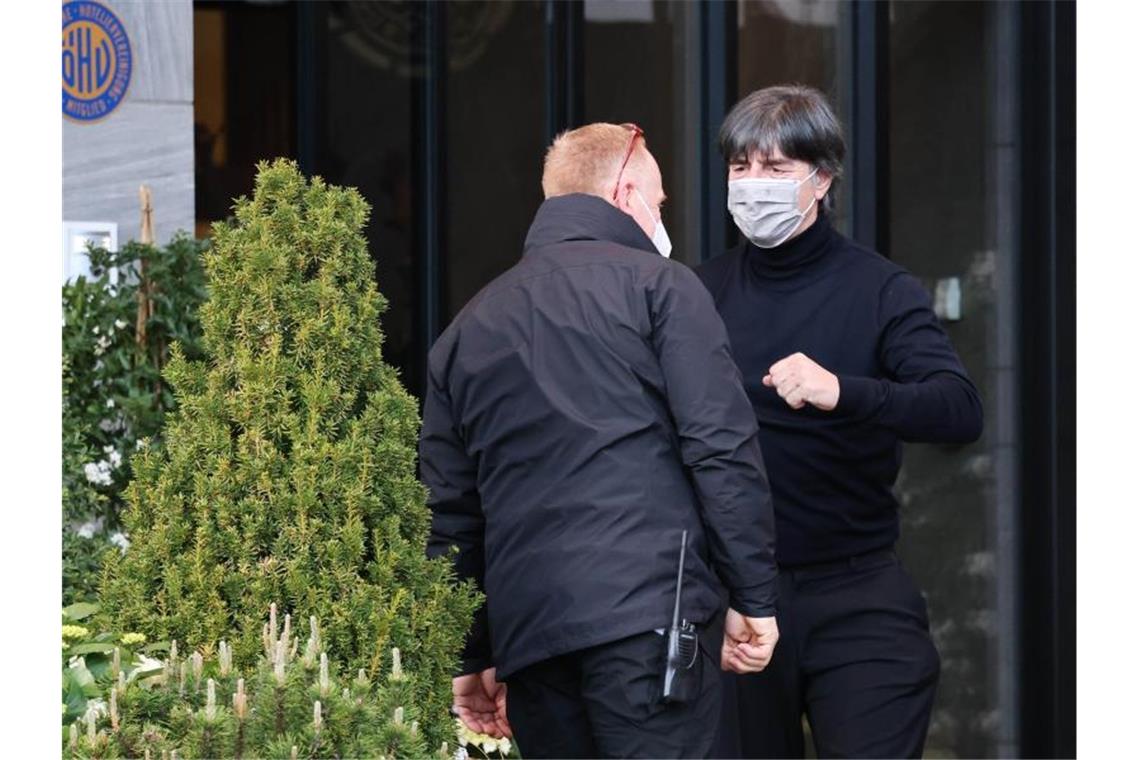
(293, 704)
(114, 397)
(82, 503)
(92, 662)
(288, 469)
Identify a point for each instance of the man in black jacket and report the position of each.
(843, 359)
(581, 412)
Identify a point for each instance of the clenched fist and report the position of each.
(799, 381)
(748, 642)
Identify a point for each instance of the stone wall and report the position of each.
(149, 138)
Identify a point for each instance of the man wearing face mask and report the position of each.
(581, 413)
(843, 359)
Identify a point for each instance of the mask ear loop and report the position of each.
(814, 200)
(645, 205)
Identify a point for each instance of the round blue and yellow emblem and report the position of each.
(96, 61)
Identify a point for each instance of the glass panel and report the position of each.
(495, 139)
(363, 122)
(245, 110)
(952, 206)
(801, 42)
(243, 99)
(641, 64)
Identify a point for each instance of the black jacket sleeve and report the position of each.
(717, 430)
(457, 511)
(927, 395)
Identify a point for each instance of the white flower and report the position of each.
(140, 444)
(116, 458)
(91, 470)
(461, 753)
(95, 330)
(110, 403)
(504, 746)
(102, 345)
(120, 540)
(120, 324)
(87, 529)
(490, 746)
(98, 473)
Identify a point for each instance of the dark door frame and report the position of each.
(429, 141)
(1048, 355)
(869, 83)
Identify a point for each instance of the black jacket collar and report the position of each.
(584, 217)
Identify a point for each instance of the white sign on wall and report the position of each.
(76, 236)
(618, 11)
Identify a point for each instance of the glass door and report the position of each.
(953, 207)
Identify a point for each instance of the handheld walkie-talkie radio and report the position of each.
(680, 678)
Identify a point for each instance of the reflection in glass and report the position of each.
(641, 64)
(495, 139)
(951, 216)
(800, 42)
(244, 107)
(363, 140)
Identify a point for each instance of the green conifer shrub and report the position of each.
(287, 472)
(293, 704)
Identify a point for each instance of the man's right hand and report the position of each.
(748, 642)
(481, 703)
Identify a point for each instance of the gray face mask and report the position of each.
(767, 210)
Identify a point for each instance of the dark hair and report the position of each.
(793, 118)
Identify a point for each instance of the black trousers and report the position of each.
(605, 701)
(855, 655)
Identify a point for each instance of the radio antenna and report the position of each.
(680, 578)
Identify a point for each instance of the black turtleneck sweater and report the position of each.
(870, 322)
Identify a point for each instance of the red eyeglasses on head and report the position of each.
(636, 133)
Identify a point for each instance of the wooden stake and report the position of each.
(146, 236)
(146, 231)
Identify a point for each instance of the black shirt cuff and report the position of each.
(856, 395)
(471, 665)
